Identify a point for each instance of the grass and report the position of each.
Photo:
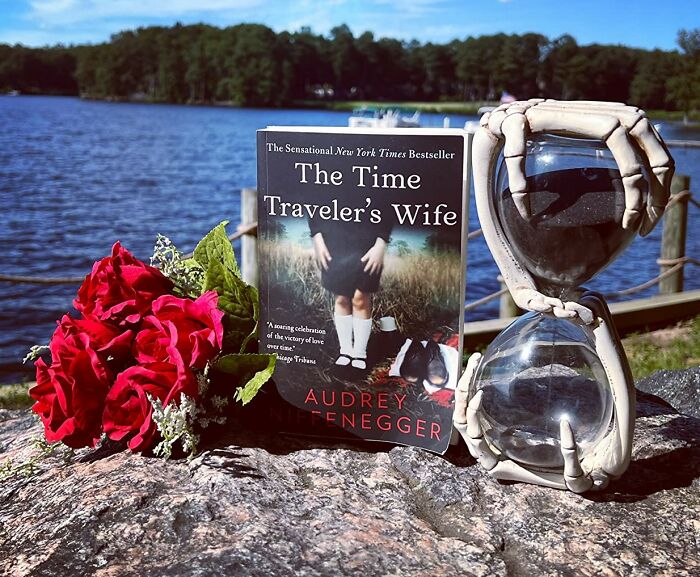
(418, 306)
(677, 348)
(15, 396)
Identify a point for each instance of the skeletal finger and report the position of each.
(661, 164)
(554, 302)
(537, 304)
(602, 125)
(556, 119)
(631, 171)
(584, 313)
(473, 425)
(495, 121)
(563, 313)
(481, 450)
(515, 130)
(575, 480)
(462, 392)
(581, 103)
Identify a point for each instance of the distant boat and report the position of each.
(367, 117)
(13, 93)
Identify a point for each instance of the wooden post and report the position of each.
(673, 239)
(249, 244)
(507, 307)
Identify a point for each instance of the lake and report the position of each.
(76, 175)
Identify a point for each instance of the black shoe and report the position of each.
(435, 369)
(414, 362)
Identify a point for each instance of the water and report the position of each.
(75, 176)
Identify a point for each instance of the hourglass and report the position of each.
(561, 190)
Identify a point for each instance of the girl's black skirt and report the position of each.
(345, 272)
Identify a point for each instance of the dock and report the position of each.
(638, 315)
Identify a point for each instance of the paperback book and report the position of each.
(361, 239)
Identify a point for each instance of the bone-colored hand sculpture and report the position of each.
(621, 127)
(638, 150)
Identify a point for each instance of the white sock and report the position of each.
(343, 326)
(362, 328)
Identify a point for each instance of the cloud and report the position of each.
(56, 13)
(413, 7)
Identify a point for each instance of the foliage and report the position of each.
(683, 87)
(251, 65)
(253, 369)
(175, 424)
(186, 273)
(646, 356)
(41, 450)
(15, 397)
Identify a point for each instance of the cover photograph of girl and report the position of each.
(365, 316)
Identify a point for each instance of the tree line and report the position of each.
(251, 65)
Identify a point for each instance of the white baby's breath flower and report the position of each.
(174, 424)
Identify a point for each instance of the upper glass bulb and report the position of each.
(577, 200)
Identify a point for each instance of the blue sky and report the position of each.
(642, 23)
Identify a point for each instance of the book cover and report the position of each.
(361, 246)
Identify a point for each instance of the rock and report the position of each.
(266, 505)
(680, 389)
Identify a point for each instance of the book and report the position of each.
(361, 253)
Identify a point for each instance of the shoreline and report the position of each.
(438, 107)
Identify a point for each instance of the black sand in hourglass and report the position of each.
(576, 226)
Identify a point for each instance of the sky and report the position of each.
(639, 23)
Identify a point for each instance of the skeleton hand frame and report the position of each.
(638, 151)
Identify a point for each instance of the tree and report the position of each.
(251, 65)
(684, 86)
(649, 86)
(346, 60)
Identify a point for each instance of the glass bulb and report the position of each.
(538, 371)
(577, 201)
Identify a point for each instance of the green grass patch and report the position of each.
(677, 115)
(648, 354)
(15, 396)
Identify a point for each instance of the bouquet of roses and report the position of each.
(136, 366)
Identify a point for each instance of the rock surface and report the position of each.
(680, 389)
(268, 505)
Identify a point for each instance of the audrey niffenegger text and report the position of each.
(355, 410)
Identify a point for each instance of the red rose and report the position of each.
(194, 328)
(120, 289)
(128, 411)
(70, 393)
(104, 338)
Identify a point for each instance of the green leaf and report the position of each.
(252, 369)
(239, 302)
(216, 247)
